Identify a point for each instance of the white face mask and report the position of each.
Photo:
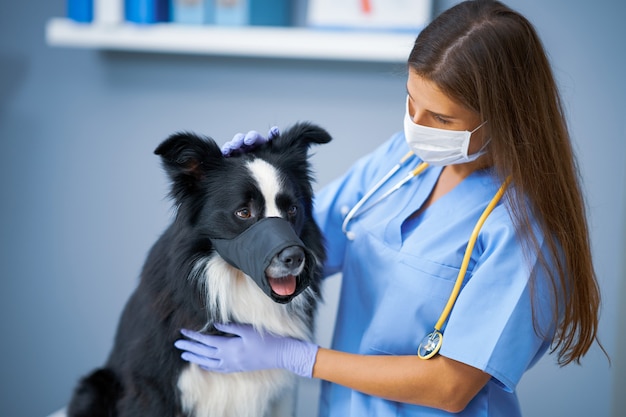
(439, 146)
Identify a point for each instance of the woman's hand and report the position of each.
(247, 350)
(241, 143)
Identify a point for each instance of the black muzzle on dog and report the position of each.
(271, 253)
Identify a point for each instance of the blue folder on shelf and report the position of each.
(80, 10)
(147, 11)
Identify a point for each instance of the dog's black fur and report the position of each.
(141, 376)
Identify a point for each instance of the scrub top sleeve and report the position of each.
(491, 325)
(334, 201)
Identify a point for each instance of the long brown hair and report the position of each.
(489, 58)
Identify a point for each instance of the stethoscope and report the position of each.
(352, 213)
(431, 343)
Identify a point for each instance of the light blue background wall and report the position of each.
(83, 196)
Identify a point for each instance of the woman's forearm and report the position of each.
(438, 382)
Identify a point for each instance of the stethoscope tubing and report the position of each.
(468, 254)
(431, 343)
(414, 173)
(351, 214)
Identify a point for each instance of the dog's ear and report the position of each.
(187, 159)
(300, 136)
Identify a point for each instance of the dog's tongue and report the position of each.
(283, 286)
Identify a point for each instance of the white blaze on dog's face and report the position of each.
(286, 266)
(268, 179)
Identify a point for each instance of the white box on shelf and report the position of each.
(391, 15)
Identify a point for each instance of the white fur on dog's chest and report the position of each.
(231, 295)
(247, 394)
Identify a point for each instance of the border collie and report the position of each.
(185, 283)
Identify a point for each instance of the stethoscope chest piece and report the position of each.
(430, 345)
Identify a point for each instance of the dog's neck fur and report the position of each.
(233, 296)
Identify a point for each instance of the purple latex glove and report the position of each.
(241, 143)
(247, 350)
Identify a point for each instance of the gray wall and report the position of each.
(83, 195)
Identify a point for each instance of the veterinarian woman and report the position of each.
(484, 113)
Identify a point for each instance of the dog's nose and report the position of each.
(292, 256)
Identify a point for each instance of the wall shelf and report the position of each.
(272, 42)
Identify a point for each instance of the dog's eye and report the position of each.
(243, 213)
(293, 210)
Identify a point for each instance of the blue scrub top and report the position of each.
(398, 275)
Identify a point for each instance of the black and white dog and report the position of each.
(186, 283)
